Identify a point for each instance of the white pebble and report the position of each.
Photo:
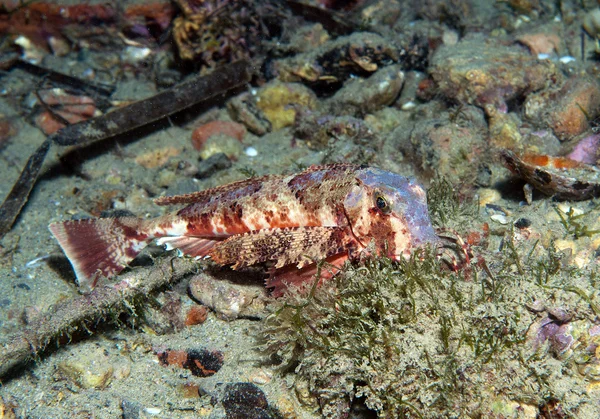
(543, 56)
(251, 152)
(408, 105)
(499, 218)
(566, 59)
(153, 411)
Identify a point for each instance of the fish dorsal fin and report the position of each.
(332, 166)
(241, 187)
(204, 196)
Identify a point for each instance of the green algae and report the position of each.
(415, 339)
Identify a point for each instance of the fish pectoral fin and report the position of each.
(281, 279)
(188, 245)
(288, 246)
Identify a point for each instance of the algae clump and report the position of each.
(511, 332)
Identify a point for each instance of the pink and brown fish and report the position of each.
(332, 213)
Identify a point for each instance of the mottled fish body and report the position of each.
(331, 212)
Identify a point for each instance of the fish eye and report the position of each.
(382, 204)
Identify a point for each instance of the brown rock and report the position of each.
(567, 110)
(483, 73)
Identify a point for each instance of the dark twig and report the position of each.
(331, 21)
(86, 86)
(119, 121)
(17, 197)
(154, 108)
(67, 317)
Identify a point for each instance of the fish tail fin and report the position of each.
(100, 247)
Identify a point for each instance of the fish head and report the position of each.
(389, 213)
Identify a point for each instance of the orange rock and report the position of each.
(71, 108)
(7, 129)
(49, 124)
(578, 103)
(204, 132)
(196, 315)
(157, 157)
(541, 43)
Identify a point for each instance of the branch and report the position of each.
(68, 316)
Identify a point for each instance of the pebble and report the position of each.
(229, 300)
(261, 377)
(221, 143)
(213, 164)
(566, 208)
(204, 132)
(157, 157)
(245, 400)
(91, 368)
(488, 196)
(562, 244)
(566, 59)
(499, 218)
(251, 152)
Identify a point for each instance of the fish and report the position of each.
(290, 223)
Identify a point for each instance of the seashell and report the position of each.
(559, 176)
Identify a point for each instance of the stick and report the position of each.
(17, 197)
(154, 108)
(68, 316)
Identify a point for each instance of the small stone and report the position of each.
(565, 245)
(89, 369)
(522, 223)
(499, 218)
(211, 165)
(157, 158)
(165, 178)
(279, 102)
(131, 409)
(261, 377)
(196, 315)
(206, 131)
(221, 143)
(246, 401)
(153, 411)
(361, 96)
(251, 152)
(201, 362)
(228, 299)
(243, 108)
(488, 196)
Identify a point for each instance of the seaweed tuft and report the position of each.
(413, 339)
(446, 206)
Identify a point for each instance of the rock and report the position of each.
(157, 157)
(205, 131)
(279, 102)
(91, 368)
(361, 53)
(211, 165)
(228, 299)
(246, 401)
(221, 143)
(545, 40)
(445, 148)
(568, 110)
(487, 73)
(201, 362)
(361, 96)
(243, 108)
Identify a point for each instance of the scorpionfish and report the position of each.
(332, 212)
